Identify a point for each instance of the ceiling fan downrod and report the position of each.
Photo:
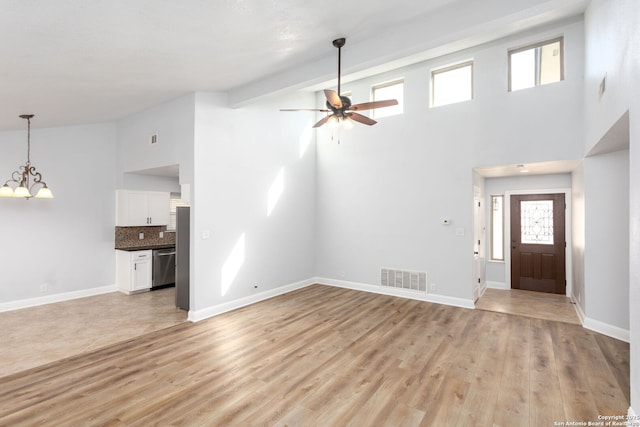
(339, 43)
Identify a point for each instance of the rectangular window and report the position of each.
(536, 64)
(452, 84)
(536, 219)
(174, 202)
(497, 228)
(390, 90)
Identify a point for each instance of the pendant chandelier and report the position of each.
(21, 177)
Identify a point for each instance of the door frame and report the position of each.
(567, 233)
(479, 233)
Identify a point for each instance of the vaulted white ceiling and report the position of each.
(85, 61)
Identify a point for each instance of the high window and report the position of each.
(389, 90)
(536, 64)
(452, 84)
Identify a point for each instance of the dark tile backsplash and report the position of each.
(129, 237)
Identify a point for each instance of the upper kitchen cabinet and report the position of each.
(140, 208)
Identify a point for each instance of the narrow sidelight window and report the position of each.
(497, 228)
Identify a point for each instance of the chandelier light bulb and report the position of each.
(6, 191)
(44, 193)
(347, 123)
(22, 192)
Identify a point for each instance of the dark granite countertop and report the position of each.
(146, 248)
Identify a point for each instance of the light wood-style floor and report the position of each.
(37, 335)
(530, 304)
(324, 356)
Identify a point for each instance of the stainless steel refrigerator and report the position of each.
(182, 257)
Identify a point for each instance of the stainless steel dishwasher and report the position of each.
(164, 268)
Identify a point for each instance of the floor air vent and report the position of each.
(403, 279)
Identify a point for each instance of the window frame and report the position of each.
(510, 52)
(447, 68)
(502, 232)
(398, 81)
(175, 200)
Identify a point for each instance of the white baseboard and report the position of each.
(496, 285)
(607, 329)
(600, 327)
(197, 315)
(631, 415)
(48, 299)
(205, 313)
(436, 298)
(578, 309)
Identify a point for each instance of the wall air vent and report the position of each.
(153, 139)
(403, 279)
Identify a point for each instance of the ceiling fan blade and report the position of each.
(372, 105)
(323, 121)
(304, 109)
(333, 98)
(361, 119)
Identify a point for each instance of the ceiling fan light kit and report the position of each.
(342, 113)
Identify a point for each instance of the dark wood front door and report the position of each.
(538, 243)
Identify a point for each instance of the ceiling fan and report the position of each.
(340, 106)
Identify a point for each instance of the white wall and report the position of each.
(498, 186)
(613, 47)
(606, 257)
(383, 191)
(578, 232)
(67, 242)
(173, 122)
(239, 154)
(634, 226)
(611, 31)
(144, 182)
(600, 236)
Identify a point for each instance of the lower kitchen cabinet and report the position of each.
(133, 271)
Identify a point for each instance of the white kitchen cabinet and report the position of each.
(158, 208)
(133, 270)
(140, 208)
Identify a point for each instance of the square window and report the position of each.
(390, 90)
(536, 65)
(452, 84)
